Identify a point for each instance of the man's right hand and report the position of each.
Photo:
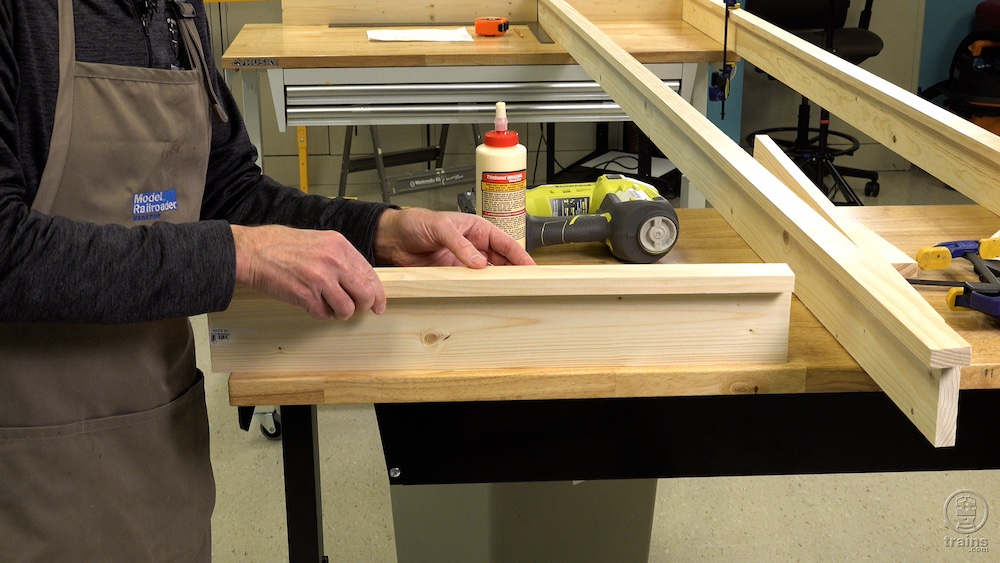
(320, 271)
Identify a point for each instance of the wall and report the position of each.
(946, 23)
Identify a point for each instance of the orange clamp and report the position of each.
(491, 27)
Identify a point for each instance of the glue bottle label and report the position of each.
(504, 201)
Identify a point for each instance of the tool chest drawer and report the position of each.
(395, 96)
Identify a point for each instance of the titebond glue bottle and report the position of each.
(500, 168)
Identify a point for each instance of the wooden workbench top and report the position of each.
(816, 361)
(262, 46)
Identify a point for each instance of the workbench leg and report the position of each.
(345, 166)
(303, 144)
(645, 156)
(303, 496)
(251, 112)
(380, 164)
(442, 143)
(550, 152)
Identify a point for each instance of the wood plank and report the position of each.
(585, 280)
(886, 326)
(310, 388)
(957, 152)
(767, 152)
(869, 241)
(583, 317)
(420, 12)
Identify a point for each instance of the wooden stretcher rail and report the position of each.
(957, 152)
(885, 325)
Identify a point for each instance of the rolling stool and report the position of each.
(821, 22)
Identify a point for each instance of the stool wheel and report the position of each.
(276, 435)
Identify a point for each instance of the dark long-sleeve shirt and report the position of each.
(56, 270)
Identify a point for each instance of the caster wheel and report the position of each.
(872, 189)
(276, 435)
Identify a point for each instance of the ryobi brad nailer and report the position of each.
(629, 216)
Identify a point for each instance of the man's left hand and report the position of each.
(421, 237)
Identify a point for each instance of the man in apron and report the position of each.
(125, 174)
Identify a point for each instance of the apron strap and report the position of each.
(196, 53)
(59, 142)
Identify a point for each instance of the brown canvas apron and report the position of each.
(103, 428)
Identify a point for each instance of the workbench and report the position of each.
(817, 413)
(322, 75)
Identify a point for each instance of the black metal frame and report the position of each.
(436, 443)
(303, 495)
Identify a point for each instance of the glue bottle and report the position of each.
(501, 163)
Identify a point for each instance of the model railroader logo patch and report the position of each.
(254, 62)
(151, 206)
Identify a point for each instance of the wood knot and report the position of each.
(433, 337)
(743, 388)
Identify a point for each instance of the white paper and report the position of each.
(452, 35)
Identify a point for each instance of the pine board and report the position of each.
(568, 317)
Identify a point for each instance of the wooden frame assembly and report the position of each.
(890, 330)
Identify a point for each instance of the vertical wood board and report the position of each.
(455, 329)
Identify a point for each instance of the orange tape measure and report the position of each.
(491, 27)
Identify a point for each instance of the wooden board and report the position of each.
(957, 152)
(419, 12)
(514, 384)
(884, 324)
(770, 155)
(530, 317)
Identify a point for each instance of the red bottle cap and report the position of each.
(501, 138)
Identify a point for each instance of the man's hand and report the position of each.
(320, 271)
(420, 237)
(323, 273)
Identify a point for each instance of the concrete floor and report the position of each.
(882, 517)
